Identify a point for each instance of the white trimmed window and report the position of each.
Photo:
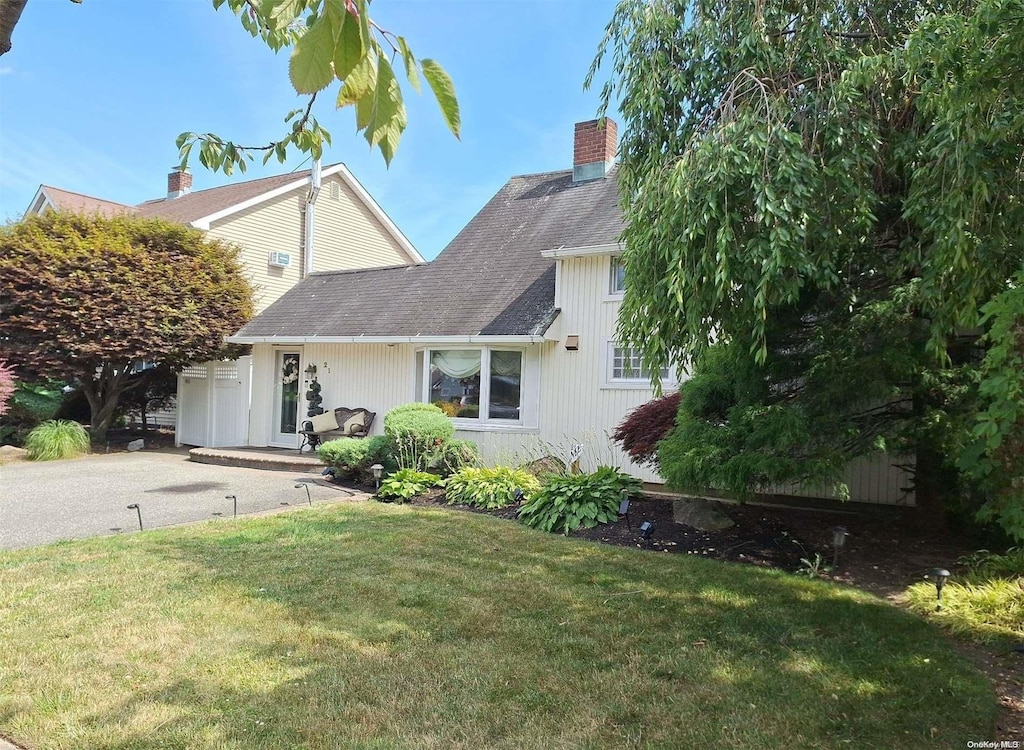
(617, 277)
(623, 368)
(481, 386)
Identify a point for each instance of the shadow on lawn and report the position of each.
(431, 629)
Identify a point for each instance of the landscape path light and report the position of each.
(646, 532)
(839, 534)
(234, 502)
(377, 470)
(624, 508)
(138, 510)
(938, 576)
(309, 499)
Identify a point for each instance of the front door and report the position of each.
(286, 399)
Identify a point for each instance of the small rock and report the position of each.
(137, 445)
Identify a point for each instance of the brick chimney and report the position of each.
(179, 182)
(594, 148)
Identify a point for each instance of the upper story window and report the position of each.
(623, 368)
(484, 384)
(617, 280)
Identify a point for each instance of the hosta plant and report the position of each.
(490, 488)
(405, 484)
(565, 503)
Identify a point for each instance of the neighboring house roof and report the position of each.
(65, 200)
(491, 280)
(202, 207)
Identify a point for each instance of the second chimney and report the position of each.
(179, 182)
(594, 147)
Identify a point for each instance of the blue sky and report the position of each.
(92, 97)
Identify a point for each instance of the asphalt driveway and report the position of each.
(49, 501)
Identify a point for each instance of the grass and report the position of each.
(985, 603)
(377, 626)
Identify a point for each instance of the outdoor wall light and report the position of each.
(377, 470)
(308, 498)
(138, 510)
(572, 343)
(311, 371)
(234, 501)
(839, 534)
(938, 576)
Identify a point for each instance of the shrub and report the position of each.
(407, 483)
(644, 427)
(345, 455)
(489, 488)
(417, 431)
(353, 457)
(456, 455)
(569, 501)
(56, 439)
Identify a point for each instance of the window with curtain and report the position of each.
(482, 384)
(617, 282)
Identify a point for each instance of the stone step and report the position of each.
(270, 459)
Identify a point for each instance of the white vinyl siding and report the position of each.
(346, 235)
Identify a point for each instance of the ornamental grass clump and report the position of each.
(983, 603)
(56, 439)
(490, 489)
(565, 503)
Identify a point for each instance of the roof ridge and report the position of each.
(86, 195)
(296, 174)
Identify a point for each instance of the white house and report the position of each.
(286, 226)
(511, 329)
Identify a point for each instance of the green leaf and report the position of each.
(359, 83)
(410, 64)
(350, 48)
(310, 66)
(444, 92)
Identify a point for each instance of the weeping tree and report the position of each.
(824, 215)
(90, 299)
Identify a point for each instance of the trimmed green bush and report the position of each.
(353, 457)
(418, 432)
(569, 501)
(489, 488)
(56, 439)
(345, 455)
(407, 483)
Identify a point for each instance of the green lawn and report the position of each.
(379, 626)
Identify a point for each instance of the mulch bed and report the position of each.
(885, 552)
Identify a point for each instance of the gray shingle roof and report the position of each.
(490, 280)
(195, 205)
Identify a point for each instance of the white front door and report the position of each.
(287, 381)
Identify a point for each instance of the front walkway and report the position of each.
(275, 459)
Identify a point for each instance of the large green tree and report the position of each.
(821, 198)
(89, 299)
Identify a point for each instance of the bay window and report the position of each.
(483, 384)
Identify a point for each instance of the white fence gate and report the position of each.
(213, 404)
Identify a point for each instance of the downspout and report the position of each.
(314, 191)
